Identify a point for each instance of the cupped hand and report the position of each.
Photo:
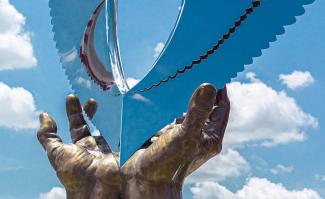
(182, 147)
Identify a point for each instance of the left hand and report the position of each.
(87, 168)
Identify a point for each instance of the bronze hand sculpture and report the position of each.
(89, 169)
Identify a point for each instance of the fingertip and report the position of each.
(207, 87)
(92, 101)
(224, 92)
(90, 107)
(73, 104)
(42, 116)
(45, 118)
(47, 124)
(207, 91)
(222, 96)
(71, 96)
(204, 97)
(200, 106)
(91, 104)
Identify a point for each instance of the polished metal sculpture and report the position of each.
(212, 41)
(88, 168)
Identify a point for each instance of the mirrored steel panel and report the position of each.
(85, 36)
(211, 42)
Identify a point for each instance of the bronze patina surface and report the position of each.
(89, 169)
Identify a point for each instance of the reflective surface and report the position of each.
(200, 26)
(82, 26)
(212, 41)
(143, 33)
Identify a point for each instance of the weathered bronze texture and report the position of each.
(89, 169)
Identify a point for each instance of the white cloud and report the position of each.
(282, 169)
(17, 108)
(227, 164)
(132, 81)
(16, 50)
(255, 188)
(211, 190)
(260, 114)
(159, 47)
(54, 193)
(252, 77)
(83, 82)
(297, 79)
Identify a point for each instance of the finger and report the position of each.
(90, 108)
(78, 126)
(47, 134)
(199, 109)
(219, 116)
(221, 103)
(222, 98)
(102, 144)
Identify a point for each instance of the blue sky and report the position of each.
(285, 146)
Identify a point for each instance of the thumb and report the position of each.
(47, 134)
(199, 108)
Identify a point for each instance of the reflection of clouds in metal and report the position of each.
(199, 24)
(104, 78)
(235, 50)
(97, 70)
(158, 49)
(132, 81)
(89, 57)
(69, 56)
(141, 98)
(83, 82)
(69, 20)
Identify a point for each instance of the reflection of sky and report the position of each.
(299, 49)
(68, 35)
(198, 30)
